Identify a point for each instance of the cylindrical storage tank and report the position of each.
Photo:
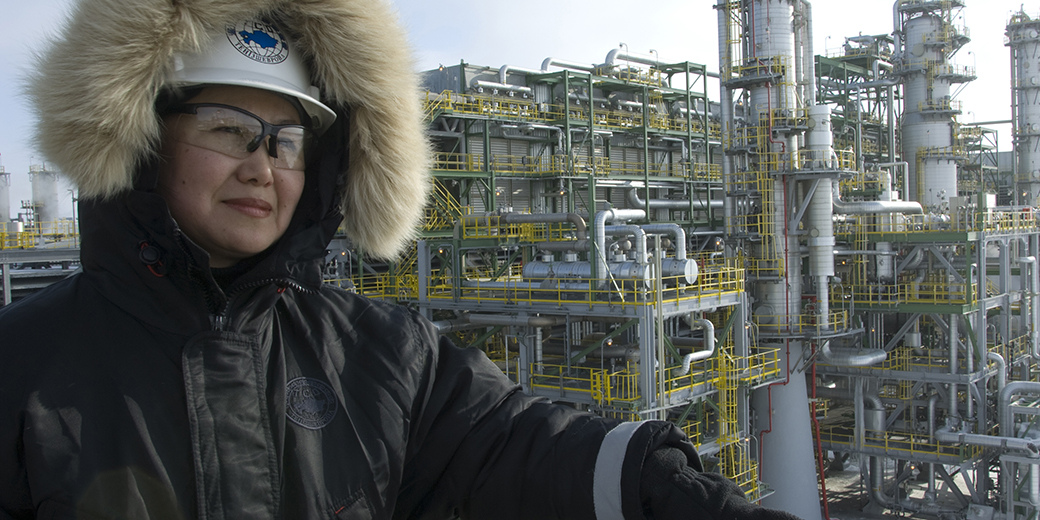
(45, 198)
(1023, 37)
(5, 200)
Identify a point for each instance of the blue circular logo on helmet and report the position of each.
(259, 41)
(310, 402)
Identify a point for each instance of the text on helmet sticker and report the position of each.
(259, 41)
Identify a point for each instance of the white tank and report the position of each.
(5, 199)
(1023, 37)
(927, 122)
(787, 455)
(774, 47)
(45, 197)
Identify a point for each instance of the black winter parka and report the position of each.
(140, 389)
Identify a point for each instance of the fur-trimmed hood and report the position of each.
(94, 91)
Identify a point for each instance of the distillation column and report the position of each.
(928, 40)
(1023, 37)
(5, 199)
(45, 198)
(781, 411)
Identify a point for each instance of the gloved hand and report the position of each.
(670, 489)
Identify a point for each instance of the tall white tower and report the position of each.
(1023, 37)
(929, 38)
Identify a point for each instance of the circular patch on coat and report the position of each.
(310, 403)
(258, 41)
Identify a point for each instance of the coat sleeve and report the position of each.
(479, 448)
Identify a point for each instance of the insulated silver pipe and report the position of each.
(599, 234)
(621, 54)
(709, 344)
(503, 72)
(1029, 446)
(873, 206)
(850, 357)
(998, 360)
(501, 86)
(468, 321)
(954, 318)
(551, 62)
(633, 198)
(1004, 402)
(672, 229)
(636, 231)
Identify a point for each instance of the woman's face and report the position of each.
(232, 207)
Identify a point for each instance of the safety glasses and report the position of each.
(236, 133)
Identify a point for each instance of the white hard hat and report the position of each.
(254, 53)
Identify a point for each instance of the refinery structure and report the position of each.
(804, 261)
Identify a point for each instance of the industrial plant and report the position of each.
(805, 261)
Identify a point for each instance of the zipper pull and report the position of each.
(218, 321)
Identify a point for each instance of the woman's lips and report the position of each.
(253, 207)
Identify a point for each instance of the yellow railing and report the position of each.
(36, 234)
(737, 466)
(605, 386)
(903, 445)
(528, 110)
(712, 284)
(972, 221)
(802, 323)
(944, 105)
(940, 292)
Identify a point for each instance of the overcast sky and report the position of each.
(494, 33)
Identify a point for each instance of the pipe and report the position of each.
(500, 86)
(565, 245)
(852, 357)
(599, 234)
(633, 199)
(527, 218)
(621, 53)
(1034, 288)
(810, 75)
(673, 229)
(641, 255)
(709, 343)
(906, 173)
(550, 62)
(1004, 402)
(503, 72)
(602, 352)
(874, 206)
(998, 360)
(480, 320)
(1029, 446)
(953, 342)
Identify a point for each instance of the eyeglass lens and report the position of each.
(237, 134)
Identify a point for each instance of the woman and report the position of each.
(202, 369)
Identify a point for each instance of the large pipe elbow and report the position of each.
(873, 206)
(709, 344)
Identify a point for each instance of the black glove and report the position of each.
(670, 489)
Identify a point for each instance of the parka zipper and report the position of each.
(220, 319)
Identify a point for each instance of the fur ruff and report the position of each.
(95, 86)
